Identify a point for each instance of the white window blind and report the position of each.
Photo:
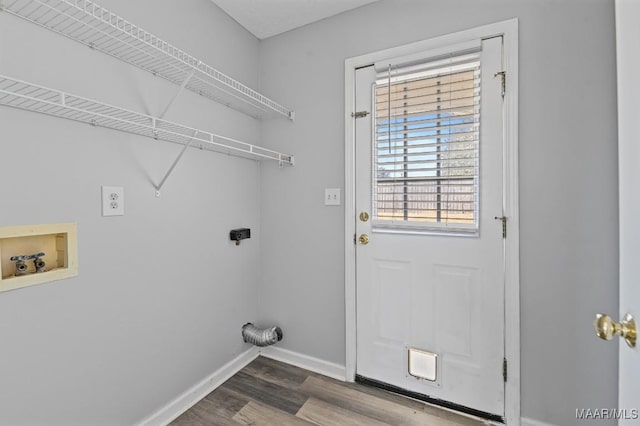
(426, 144)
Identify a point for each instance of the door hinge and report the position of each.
(504, 369)
(503, 219)
(355, 241)
(503, 75)
(360, 114)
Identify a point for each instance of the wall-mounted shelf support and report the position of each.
(187, 145)
(173, 166)
(180, 89)
(31, 97)
(94, 26)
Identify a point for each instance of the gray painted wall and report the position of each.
(568, 191)
(161, 293)
(134, 330)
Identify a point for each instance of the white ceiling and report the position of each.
(266, 18)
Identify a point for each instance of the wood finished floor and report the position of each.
(268, 392)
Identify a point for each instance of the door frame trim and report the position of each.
(508, 29)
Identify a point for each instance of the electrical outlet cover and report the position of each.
(112, 201)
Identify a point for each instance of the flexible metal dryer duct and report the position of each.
(261, 337)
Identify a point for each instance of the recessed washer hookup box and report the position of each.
(36, 254)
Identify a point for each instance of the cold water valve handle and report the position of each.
(21, 267)
(39, 263)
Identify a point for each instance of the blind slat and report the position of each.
(431, 81)
(445, 113)
(456, 91)
(383, 146)
(396, 158)
(409, 128)
(435, 164)
(468, 118)
(434, 107)
(455, 136)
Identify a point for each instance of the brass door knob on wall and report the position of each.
(364, 239)
(606, 328)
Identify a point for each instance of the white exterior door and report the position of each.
(628, 35)
(430, 252)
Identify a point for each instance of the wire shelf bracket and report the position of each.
(180, 89)
(31, 97)
(187, 145)
(173, 166)
(90, 24)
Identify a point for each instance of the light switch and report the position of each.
(332, 196)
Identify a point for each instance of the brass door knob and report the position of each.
(606, 328)
(364, 239)
(364, 216)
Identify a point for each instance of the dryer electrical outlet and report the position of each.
(112, 201)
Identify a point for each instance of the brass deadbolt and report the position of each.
(364, 216)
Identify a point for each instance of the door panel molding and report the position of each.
(509, 31)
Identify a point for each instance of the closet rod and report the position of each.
(89, 23)
(32, 97)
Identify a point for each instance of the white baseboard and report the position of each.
(182, 403)
(172, 410)
(307, 362)
(525, 421)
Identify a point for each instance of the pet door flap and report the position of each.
(423, 364)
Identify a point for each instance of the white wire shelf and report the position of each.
(96, 27)
(20, 94)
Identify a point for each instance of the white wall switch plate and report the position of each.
(332, 196)
(112, 201)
